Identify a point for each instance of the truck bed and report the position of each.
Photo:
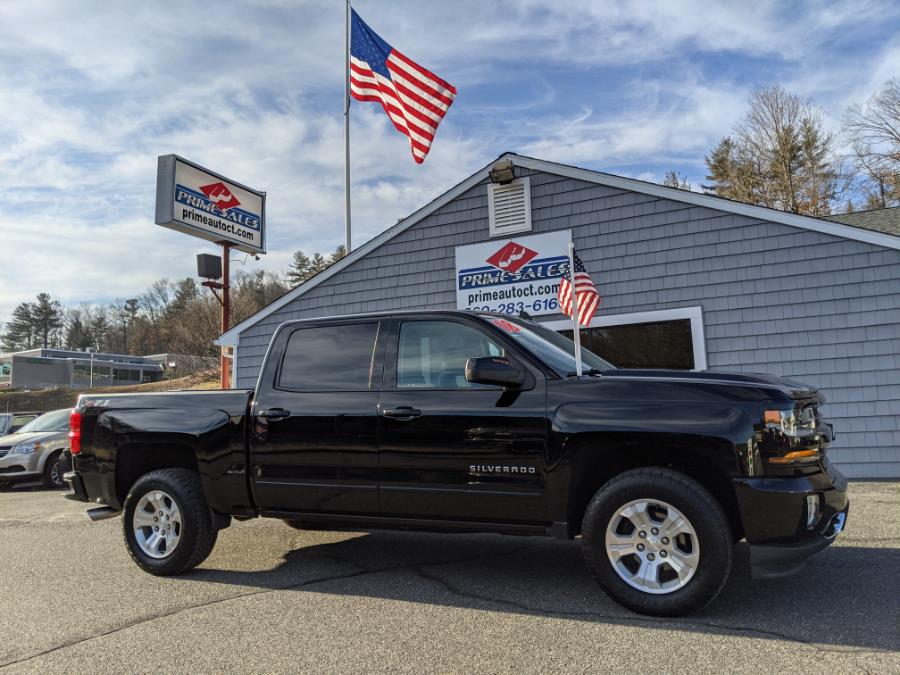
(206, 430)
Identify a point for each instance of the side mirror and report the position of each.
(498, 370)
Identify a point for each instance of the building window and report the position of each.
(126, 375)
(509, 207)
(662, 339)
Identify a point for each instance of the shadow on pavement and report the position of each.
(847, 597)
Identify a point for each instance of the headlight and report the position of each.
(26, 448)
(789, 435)
(791, 423)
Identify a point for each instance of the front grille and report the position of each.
(4, 451)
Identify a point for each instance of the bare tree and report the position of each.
(874, 133)
(674, 179)
(780, 156)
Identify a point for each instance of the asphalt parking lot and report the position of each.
(272, 599)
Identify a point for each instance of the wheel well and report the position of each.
(56, 453)
(594, 469)
(133, 461)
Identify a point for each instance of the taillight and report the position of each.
(75, 432)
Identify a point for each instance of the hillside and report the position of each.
(63, 397)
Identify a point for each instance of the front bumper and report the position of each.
(20, 467)
(772, 561)
(774, 515)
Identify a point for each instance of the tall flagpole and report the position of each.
(347, 124)
(576, 330)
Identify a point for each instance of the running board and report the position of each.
(102, 513)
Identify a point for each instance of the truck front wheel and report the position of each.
(168, 526)
(657, 542)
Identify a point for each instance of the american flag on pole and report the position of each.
(414, 98)
(586, 296)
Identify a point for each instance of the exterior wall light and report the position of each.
(502, 172)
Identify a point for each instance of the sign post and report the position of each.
(205, 204)
(226, 312)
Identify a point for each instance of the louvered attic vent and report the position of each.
(510, 207)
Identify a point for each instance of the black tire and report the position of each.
(52, 476)
(197, 534)
(296, 524)
(702, 511)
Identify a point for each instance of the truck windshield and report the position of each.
(58, 420)
(555, 350)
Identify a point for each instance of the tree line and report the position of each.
(178, 316)
(781, 155)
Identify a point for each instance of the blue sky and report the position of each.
(93, 92)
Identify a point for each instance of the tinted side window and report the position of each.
(329, 358)
(433, 354)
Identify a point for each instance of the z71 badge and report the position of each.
(492, 469)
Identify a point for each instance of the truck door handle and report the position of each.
(402, 413)
(274, 414)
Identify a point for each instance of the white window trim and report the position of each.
(526, 226)
(695, 314)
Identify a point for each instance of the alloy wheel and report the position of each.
(157, 524)
(652, 546)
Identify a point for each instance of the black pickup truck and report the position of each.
(472, 422)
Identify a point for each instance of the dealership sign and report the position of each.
(513, 275)
(197, 201)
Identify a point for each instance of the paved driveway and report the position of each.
(271, 599)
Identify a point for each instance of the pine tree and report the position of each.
(19, 333)
(317, 263)
(300, 269)
(186, 293)
(339, 253)
(47, 318)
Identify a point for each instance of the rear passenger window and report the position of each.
(329, 358)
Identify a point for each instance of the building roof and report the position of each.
(878, 220)
(835, 228)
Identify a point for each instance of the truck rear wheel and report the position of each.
(168, 526)
(657, 542)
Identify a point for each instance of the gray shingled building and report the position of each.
(688, 281)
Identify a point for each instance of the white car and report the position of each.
(34, 451)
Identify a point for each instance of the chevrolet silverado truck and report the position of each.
(474, 422)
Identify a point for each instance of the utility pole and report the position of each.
(225, 302)
(226, 312)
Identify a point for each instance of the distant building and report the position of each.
(45, 368)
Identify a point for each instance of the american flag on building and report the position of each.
(586, 296)
(414, 98)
